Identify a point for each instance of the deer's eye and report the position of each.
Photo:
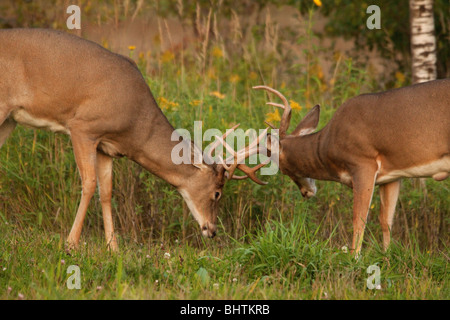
(217, 195)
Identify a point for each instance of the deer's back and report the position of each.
(405, 125)
(55, 75)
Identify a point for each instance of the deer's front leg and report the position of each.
(363, 185)
(85, 156)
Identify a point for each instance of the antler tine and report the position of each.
(252, 146)
(245, 152)
(276, 105)
(269, 124)
(232, 167)
(273, 91)
(235, 177)
(286, 117)
(251, 172)
(241, 155)
(226, 145)
(218, 142)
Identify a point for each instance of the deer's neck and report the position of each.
(153, 150)
(303, 156)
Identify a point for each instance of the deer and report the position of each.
(372, 139)
(66, 84)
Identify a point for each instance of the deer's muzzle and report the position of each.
(209, 230)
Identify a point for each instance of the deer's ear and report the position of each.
(273, 145)
(309, 123)
(269, 140)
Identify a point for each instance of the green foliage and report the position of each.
(347, 19)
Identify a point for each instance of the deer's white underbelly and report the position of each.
(24, 118)
(438, 169)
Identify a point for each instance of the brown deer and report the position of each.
(372, 139)
(56, 81)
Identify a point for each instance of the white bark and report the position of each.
(423, 40)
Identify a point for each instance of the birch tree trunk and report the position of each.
(423, 40)
(423, 51)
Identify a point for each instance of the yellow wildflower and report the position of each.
(217, 94)
(318, 3)
(295, 105)
(212, 73)
(166, 104)
(319, 72)
(105, 44)
(217, 52)
(167, 56)
(331, 204)
(400, 78)
(131, 48)
(253, 75)
(273, 116)
(234, 78)
(195, 103)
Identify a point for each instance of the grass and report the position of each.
(280, 261)
(271, 244)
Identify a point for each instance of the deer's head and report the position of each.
(288, 154)
(203, 190)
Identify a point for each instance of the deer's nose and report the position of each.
(209, 230)
(307, 193)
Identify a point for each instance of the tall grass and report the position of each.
(280, 261)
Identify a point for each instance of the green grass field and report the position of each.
(271, 243)
(279, 261)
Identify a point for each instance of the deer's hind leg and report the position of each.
(104, 178)
(388, 195)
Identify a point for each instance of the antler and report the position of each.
(217, 142)
(238, 157)
(286, 117)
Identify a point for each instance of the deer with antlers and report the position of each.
(56, 81)
(372, 139)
